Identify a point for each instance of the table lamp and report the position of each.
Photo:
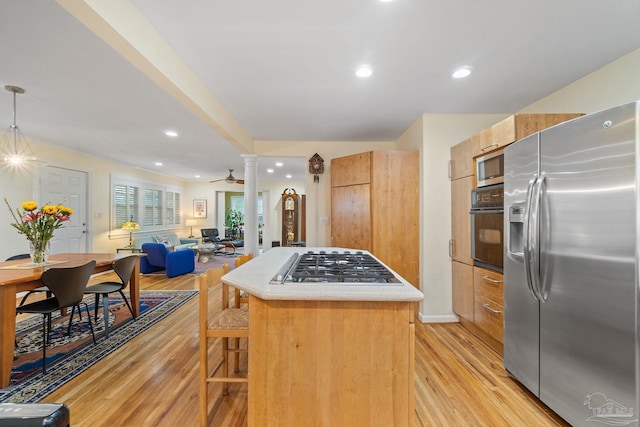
(190, 223)
(131, 226)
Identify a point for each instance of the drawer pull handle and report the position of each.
(491, 309)
(489, 279)
(495, 144)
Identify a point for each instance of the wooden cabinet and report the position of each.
(461, 162)
(462, 182)
(374, 206)
(331, 363)
(489, 302)
(516, 127)
(463, 295)
(460, 244)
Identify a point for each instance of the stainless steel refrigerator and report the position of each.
(571, 266)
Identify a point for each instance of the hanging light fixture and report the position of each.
(15, 148)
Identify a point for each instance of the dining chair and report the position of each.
(226, 323)
(32, 291)
(67, 285)
(123, 267)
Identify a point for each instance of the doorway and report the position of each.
(69, 188)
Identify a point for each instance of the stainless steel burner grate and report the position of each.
(335, 267)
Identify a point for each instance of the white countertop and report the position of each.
(254, 277)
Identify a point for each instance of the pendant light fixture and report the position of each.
(15, 148)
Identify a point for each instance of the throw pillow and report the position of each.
(165, 240)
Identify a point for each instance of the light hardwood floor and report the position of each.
(152, 380)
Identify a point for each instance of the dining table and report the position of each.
(22, 275)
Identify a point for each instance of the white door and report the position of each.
(69, 188)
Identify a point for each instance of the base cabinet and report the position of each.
(330, 363)
(488, 314)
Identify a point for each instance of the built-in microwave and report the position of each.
(490, 169)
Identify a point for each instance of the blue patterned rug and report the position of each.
(69, 355)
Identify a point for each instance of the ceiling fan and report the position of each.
(230, 179)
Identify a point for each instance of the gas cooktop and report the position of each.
(334, 268)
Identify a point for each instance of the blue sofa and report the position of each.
(160, 258)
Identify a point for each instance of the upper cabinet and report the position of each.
(461, 163)
(514, 128)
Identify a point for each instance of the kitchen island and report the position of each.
(327, 354)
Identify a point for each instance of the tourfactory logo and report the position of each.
(607, 411)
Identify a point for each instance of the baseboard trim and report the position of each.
(438, 318)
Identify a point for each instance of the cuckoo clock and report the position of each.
(316, 167)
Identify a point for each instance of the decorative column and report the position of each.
(251, 203)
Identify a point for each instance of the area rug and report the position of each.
(69, 355)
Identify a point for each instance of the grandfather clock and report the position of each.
(290, 208)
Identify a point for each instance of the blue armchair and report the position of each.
(159, 258)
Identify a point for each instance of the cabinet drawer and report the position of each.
(489, 284)
(489, 317)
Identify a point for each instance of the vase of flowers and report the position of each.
(38, 225)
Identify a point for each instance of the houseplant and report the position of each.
(38, 225)
(235, 219)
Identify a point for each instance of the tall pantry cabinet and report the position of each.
(462, 182)
(374, 207)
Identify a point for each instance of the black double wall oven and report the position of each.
(487, 237)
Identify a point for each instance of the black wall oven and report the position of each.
(487, 213)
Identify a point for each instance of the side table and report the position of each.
(132, 250)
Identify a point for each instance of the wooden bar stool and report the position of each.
(229, 322)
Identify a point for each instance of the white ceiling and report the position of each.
(285, 70)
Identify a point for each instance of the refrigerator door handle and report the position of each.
(527, 249)
(535, 219)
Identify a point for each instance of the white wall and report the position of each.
(433, 135)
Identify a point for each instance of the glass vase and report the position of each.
(39, 251)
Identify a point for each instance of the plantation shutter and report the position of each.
(126, 204)
(152, 207)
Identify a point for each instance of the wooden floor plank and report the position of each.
(152, 380)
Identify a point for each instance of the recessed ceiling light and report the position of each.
(158, 163)
(288, 176)
(386, 1)
(364, 71)
(279, 164)
(461, 73)
(171, 133)
(269, 170)
(197, 176)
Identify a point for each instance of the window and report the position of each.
(173, 207)
(153, 206)
(125, 201)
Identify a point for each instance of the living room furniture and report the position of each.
(210, 235)
(133, 250)
(168, 239)
(68, 286)
(16, 277)
(206, 251)
(123, 268)
(229, 322)
(159, 258)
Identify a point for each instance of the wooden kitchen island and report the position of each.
(327, 354)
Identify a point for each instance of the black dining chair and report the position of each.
(67, 286)
(32, 291)
(124, 268)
